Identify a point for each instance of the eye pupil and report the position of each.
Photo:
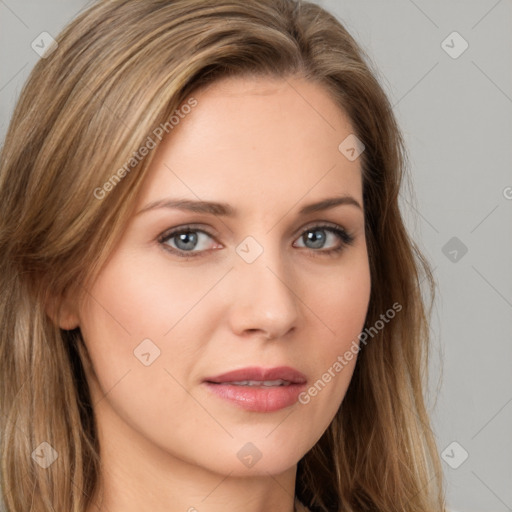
(188, 238)
(317, 237)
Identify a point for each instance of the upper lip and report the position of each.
(260, 374)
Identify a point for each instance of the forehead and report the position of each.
(257, 140)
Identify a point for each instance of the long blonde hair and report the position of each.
(120, 70)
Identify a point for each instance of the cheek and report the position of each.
(143, 298)
(141, 343)
(340, 307)
(140, 323)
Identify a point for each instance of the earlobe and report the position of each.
(68, 322)
(63, 313)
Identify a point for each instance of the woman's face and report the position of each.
(233, 262)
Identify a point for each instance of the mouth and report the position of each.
(258, 389)
(254, 375)
(257, 383)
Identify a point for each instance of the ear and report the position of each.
(64, 312)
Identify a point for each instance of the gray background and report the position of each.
(456, 115)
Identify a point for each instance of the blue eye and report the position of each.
(317, 238)
(188, 241)
(185, 240)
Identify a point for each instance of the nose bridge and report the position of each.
(264, 299)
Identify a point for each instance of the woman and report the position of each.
(209, 298)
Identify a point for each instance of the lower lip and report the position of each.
(258, 399)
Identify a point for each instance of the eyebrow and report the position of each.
(226, 210)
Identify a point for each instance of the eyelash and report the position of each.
(346, 240)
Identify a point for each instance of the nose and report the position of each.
(263, 302)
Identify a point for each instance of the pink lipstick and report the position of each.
(259, 389)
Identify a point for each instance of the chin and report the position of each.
(246, 458)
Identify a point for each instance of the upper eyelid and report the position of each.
(169, 233)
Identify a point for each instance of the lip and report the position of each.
(258, 398)
(257, 373)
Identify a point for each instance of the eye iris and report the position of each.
(188, 238)
(316, 236)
